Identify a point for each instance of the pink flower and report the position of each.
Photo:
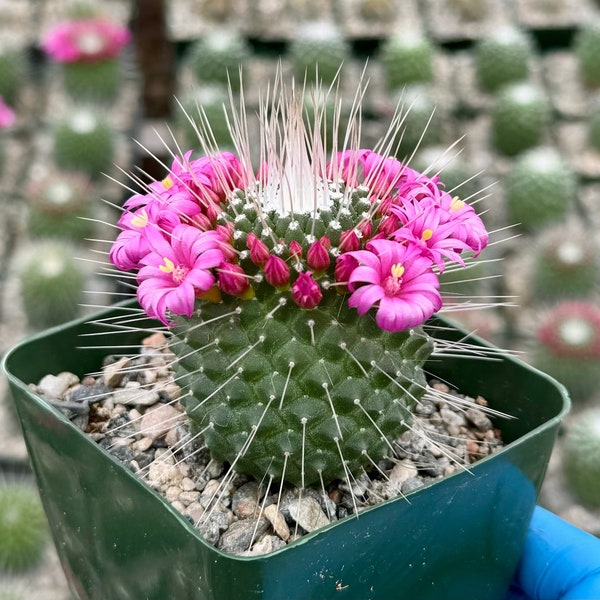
(7, 114)
(443, 227)
(398, 280)
(306, 292)
(176, 270)
(85, 40)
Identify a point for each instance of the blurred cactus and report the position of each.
(59, 206)
(210, 103)
(520, 117)
(51, 282)
(503, 57)
(540, 188)
(422, 126)
(407, 57)
(566, 264)
(217, 56)
(587, 50)
(318, 49)
(98, 82)
(594, 126)
(23, 527)
(568, 347)
(13, 69)
(582, 456)
(84, 141)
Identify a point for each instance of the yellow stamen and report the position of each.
(397, 270)
(426, 235)
(141, 219)
(456, 203)
(167, 182)
(168, 267)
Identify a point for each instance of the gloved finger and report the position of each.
(559, 562)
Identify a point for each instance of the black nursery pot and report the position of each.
(460, 537)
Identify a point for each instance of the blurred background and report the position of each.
(84, 87)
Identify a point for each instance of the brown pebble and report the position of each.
(156, 340)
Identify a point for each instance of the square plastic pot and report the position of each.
(117, 539)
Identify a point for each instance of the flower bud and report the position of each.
(344, 266)
(306, 292)
(232, 279)
(259, 252)
(349, 241)
(295, 249)
(317, 256)
(277, 273)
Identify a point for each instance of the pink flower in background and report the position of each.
(176, 270)
(397, 279)
(85, 40)
(7, 114)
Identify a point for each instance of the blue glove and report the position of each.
(559, 562)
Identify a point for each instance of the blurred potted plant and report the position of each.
(301, 302)
(88, 47)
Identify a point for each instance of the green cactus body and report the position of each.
(305, 387)
(288, 394)
(587, 49)
(12, 73)
(502, 57)
(59, 206)
(565, 266)
(99, 81)
(217, 56)
(582, 456)
(594, 127)
(520, 117)
(540, 189)
(23, 527)
(318, 49)
(84, 142)
(406, 58)
(568, 347)
(52, 282)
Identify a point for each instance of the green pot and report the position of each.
(457, 538)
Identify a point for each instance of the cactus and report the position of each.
(260, 281)
(85, 142)
(51, 282)
(406, 57)
(206, 103)
(581, 464)
(586, 47)
(421, 126)
(520, 117)
(502, 57)
(59, 206)
(565, 265)
(318, 49)
(100, 81)
(594, 126)
(217, 57)
(568, 346)
(453, 173)
(540, 188)
(23, 527)
(13, 69)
